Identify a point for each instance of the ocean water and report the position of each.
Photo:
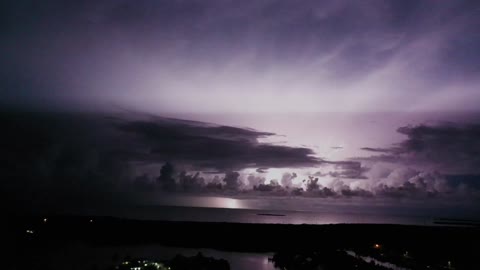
(207, 214)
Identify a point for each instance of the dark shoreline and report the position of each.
(228, 236)
(459, 244)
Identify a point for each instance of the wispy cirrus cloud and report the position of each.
(229, 56)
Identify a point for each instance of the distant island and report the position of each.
(272, 215)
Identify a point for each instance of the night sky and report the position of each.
(274, 104)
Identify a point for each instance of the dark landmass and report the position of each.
(456, 222)
(295, 246)
(271, 215)
(179, 262)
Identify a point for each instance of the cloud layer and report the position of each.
(59, 161)
(208, 146)
(434, 159)
(50, 157)
(231, 56)
(450, 148)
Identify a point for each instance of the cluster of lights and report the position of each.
(407, 255)
(140, 265)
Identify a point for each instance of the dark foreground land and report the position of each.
(29, 240)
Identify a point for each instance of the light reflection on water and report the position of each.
(245, 209)
(280, 211)
(201, 201)
(226, 202)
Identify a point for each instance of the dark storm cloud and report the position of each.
(371, 149)
(433, 160)
(455, 147)
(58, 160)
(209, 146)
(464, 180)
(190, 182)
(451, 148)
(145, 138)
(86, 159)
(54, 161)
(232, 181)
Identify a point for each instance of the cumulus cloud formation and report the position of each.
(287, 178)
(85, 159)
(254, 180)
(407, 182)
(425, 165)
(232, 181)
(450, 148)
(348, 169)
(93, 158)
(432, 160)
